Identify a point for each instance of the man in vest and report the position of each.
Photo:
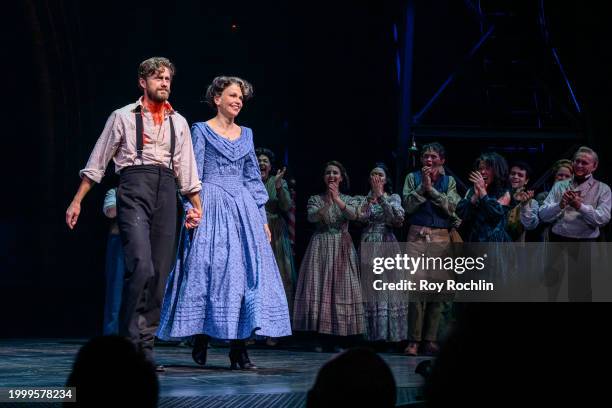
(577, 208)
(150, 144)
(430, 198)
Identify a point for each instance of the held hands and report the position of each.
(480, 189)
(193, 218)
(72, 214)
(278, 181)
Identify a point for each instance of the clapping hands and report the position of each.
(378, 186)
(426, 171)
(572, 198)
(333, 189)
(523, 196)
(278, 181)
(480, 188)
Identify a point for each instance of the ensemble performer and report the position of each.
(386, 311)
(225, 283)
(484, 210)
(577, 208)
(539, 231)
(277, 211)
(150, 144)
(563, 169)
(430, 198)
(328, 296)
(520, 173)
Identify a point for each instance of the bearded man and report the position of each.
(150, 144)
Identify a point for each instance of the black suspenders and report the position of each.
(172, 142)
(140, 137)
(139, 134)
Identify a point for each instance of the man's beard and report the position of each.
(157, 97)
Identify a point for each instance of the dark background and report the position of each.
(326, 88)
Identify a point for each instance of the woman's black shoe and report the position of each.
(239, 357)
(200, 349)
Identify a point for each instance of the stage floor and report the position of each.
(284, 377)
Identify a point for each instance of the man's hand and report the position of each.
(72, 214)
(111, 212)
(427, 174)
(194, 215)
(566, 198)
(524, 196)
(576, 200)
(74, 209)
(193, 218)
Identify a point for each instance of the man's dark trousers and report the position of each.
(147, 217)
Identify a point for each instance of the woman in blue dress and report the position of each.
(226, 283)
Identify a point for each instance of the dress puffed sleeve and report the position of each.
(284, 197)
(394, 212)
(313, 208)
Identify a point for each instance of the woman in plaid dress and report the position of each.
(386, 312)
(328, 296)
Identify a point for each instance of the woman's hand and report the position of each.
(278, 181)
(505, 199)
(378, 187)
(334, 191)
(480, 188)
(268, 233)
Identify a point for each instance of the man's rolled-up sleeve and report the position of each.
(104, 150)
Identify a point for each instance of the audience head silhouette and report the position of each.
(109, 371)
(355, 378)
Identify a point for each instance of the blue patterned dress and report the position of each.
(226, 282)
